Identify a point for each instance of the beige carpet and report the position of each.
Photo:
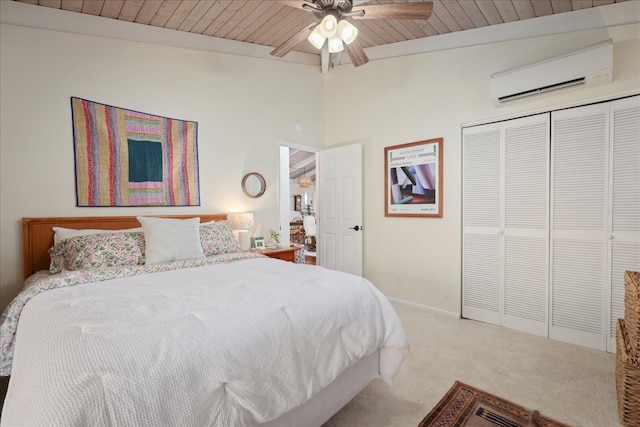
(571, 384)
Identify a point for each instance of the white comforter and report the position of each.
(231, 345)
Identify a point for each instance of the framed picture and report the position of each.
(413, 179)
(257, 243)
(297, 202)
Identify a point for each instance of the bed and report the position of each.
(225, 338)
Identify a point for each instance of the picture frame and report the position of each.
(297, 202)
(257, 242)
(413, 179)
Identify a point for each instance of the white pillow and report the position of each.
(168, 239)
(60, 233)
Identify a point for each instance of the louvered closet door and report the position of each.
(482, 212)
(578, 224)
(624, 225)
(526, 224)
(505, 239)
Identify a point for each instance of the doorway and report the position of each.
(299, 199)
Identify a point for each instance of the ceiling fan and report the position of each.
(335, 28)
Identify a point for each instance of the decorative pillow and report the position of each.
(57, 260)
(217, 238)
(97, 251)
(61, 233)
(168, 239)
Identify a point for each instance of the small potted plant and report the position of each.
(308, 210)
(274, 237)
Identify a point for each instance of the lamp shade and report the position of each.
(328, 26)
(304, 181)
(335, 44)
(347, 31)
(242, 221)
(316, 38)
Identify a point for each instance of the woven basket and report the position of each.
(627, 380)
(632, 311)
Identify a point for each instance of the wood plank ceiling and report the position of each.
(270, 23)
(301, 163)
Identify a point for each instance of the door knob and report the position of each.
(355, 228)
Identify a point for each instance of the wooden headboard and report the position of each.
(37, 233)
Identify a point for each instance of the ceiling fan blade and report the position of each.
(292, 41)
(356, 53)
(298, 4)
(395, 11)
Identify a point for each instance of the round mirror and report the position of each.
(253, 185)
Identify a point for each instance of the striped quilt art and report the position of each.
(128, 158)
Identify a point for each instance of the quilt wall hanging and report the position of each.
(129, 158)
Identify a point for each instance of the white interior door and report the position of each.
(339, 234)
(526, 224)
(505, 240)
(623, 233)
(580, 147)
(482, 223)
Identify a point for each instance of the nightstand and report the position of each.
(285, 254)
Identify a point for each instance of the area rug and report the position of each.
(466, 406)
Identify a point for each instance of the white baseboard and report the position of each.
(425, 307)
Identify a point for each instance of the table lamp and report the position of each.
(241, 224)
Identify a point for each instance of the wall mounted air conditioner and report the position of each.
(591, 65)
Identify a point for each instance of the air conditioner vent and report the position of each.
(556, 86)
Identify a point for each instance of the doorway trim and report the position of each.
(284, 195)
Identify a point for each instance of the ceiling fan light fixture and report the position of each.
(316, 38)
(335, 44)
(328, 26)
(347, 31)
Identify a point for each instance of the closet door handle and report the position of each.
(357, 228)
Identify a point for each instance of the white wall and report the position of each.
(243, 106)
(430, 95)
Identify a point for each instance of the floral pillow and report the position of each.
(98, 251)
(61, 233)
(217, 238)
